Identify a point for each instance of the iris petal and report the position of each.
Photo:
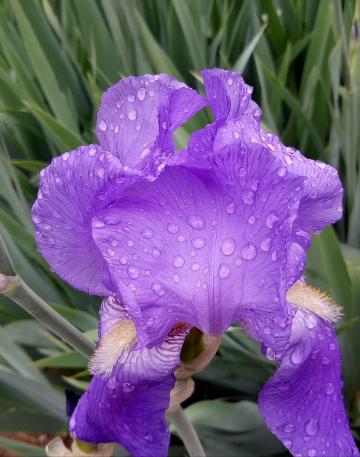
(138, 116)
(302, 404)
(129, 406)
(195, 247)
(70, 190)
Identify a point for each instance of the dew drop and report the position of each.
(271, 220)
(249, 251)
(288, 160)
(330, 388)
(132, 115)
(195, 266)
(312, 452)
(238, 261)
(111, 253)
(252, 219)
(223, 270)
(36, 219)
(231, 208)
(281, 171)
(133, 272)
(228, 246)
(101, 172)
(176, 278)
(92, 152)
(103, 125)
(147, 233)
(289, 428)
(66, 156)
(297, 356)
(265, 244)
(312, 427)
(287, 443)
(141, 93)
(198, 243)
(230, 82)
(131, 98)
(178, 261)
(196, 222)
(248, 197)
(181, 238)
(156, 253)
(157, 288)
(98, 224)
(274, 255)
(325, 360)
(111, 384)
(128, 387)
(123, 259)
(129, 243)
(172, 228)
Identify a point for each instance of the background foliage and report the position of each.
(56, 58)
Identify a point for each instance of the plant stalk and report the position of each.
(187, 433)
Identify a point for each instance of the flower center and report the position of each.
(315, 300)
(111, 347)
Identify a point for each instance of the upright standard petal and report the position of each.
(195, 247)
(138, 116)
(71, 188)
(128, 404)
(302, 404)
(237, 119)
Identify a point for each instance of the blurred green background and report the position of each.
(56, 58)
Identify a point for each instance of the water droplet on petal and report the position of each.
(36, 219)
(228, 246)
(288, 159)
(103, 125)
(248, 197)
(131, 98)
(230, 82)
(176, 278)
(249, 251)
(172, 228)
(281, 171)
(129, 243)
(231, 208)
(66, 156)
(287, 443)
(181, 238)
(274, 255)
(178, 261)
(147, 233)
(325, 360)
(128, 387)
(289, 428)
(312, 452)
(195, 266)
(271, 220)
(141, 93)
(312, 427)
(157, 288)
(297, 356)
(330, 388)
(133, 272)
(196, 222)
(252, 219)
(265, 244)
(101, 172)
(92, 152)
(98, 224)
(123, 259)
(111, 383)
(132, 115)
(223, 270)
(156, 253)
(198, 243)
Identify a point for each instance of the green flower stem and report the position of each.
(187, 433)
(24, 296)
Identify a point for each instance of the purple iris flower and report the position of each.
(206, 238)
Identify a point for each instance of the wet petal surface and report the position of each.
(138, 116)
(194, 247)
(129, 405)
(302, 404)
